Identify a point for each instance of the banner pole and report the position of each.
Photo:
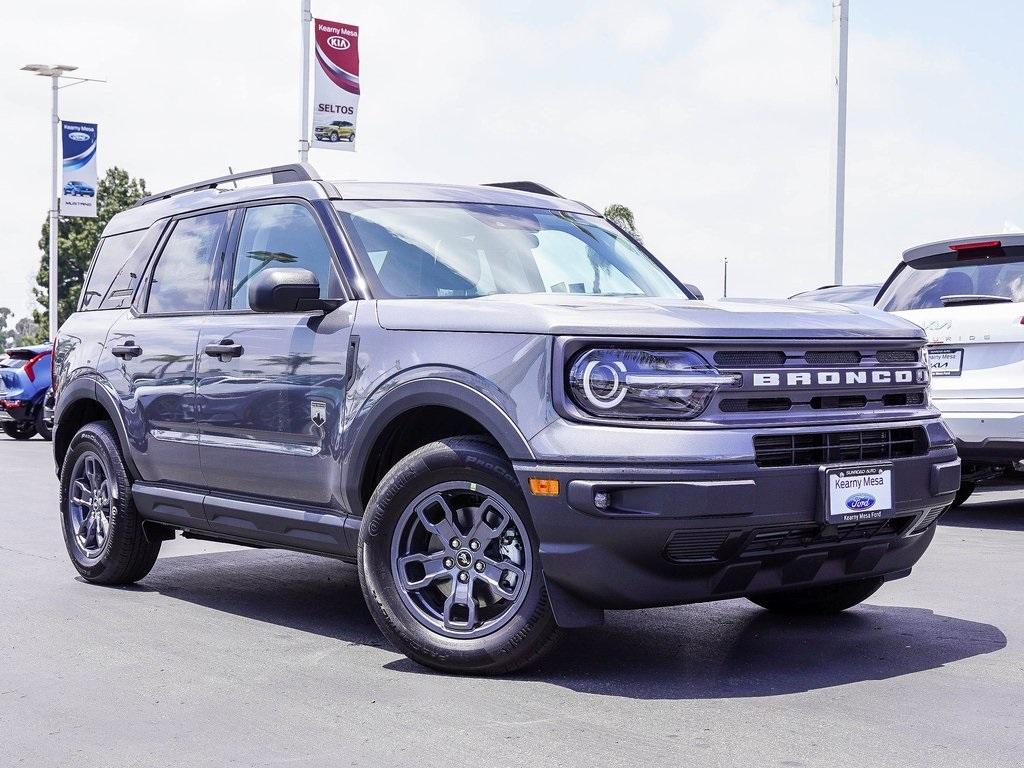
(840, 45)
(54, 208)
(307, 17)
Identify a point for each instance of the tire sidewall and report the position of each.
(96, 439)
(466, 461)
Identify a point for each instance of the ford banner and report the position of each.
(336, 89)
(78, 195)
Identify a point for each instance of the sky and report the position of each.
(711, 119)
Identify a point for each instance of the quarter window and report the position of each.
(280, 236)
(183, 278)
(114, 271)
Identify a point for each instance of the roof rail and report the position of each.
(525, 186)
(280, 174)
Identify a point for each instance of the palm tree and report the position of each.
(622, 217)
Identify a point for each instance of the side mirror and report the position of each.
(287, 290)
(694, 290)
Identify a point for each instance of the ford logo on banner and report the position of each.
(338, 42)
(860, 501)
(79, 136)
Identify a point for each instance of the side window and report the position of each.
(283, 235)
(183, 278)
(116, 262)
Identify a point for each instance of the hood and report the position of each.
(564, 314)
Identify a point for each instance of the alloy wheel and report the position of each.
(91, 496)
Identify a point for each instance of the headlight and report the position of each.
(644, 383)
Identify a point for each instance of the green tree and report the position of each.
(6, 334)
(76, 241)
(26, 333)
(623, 217)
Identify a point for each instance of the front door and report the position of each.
(271, 387)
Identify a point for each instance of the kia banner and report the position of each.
(336, 88)
(78, 195)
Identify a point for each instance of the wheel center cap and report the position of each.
(464, 559)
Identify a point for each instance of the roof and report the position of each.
(220, 191)
(945, 246)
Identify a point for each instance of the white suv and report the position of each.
(968, 295)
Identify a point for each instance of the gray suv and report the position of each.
(497, 404)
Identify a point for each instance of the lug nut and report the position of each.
(479, 566)
(455, 543)
(463, 577)
(474, 545)
(449, 563)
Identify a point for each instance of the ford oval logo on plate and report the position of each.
(860, 501)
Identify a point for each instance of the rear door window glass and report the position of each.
(183, 280)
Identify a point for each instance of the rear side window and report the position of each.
(956, 279)
(116, 264)
(284, 235)
(183, 278)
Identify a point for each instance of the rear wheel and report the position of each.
(102, 528)
(448, 562)
(19, 430)
(823, 600)
(41, 429)
(964, 493)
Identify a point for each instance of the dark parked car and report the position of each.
(493, 401)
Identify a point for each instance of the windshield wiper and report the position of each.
(974, 298)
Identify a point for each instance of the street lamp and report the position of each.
(55, 72)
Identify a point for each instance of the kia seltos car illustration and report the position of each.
(24, 381)
(79, 188)
(503, 410)
(968, 295)
(336, 130)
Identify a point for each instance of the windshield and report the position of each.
(461, 250)
(924, 283)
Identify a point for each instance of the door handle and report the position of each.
(224, 349)
(126, 351)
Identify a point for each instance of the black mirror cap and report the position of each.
(287, 290)
(694, 291)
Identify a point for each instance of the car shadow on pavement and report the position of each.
(711, 650)
(998, 515)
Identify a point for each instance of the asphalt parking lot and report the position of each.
(228, 656)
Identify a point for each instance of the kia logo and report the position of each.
(860, 501)
(78, 136)
(338, 43)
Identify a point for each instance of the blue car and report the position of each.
(24, 381)
(78, 188)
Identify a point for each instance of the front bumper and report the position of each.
(697, 532)
(987, 431)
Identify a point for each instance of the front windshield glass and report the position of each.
(924, 283)
(462, 250)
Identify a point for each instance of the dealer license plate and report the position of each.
(856, 494)
(945, 362)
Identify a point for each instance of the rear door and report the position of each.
(150, 355)
(271, 408)
(970, 302)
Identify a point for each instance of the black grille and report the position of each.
(838, 447)
(903, 398)
(844, 357)
(765, 359)
(748, 404)
(839, 401)
(928, 519)
(695, 546)
(896, 356)
(772, 539)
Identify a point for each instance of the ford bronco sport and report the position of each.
(495, 402)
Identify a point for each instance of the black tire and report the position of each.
(41, 428)
(19, 430)
(126, 555)
(964, 493)
(334, 137)
(529, 630)
(819, 601)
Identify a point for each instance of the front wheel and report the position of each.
(818, 601)
(19, 430)
(448, 562)
(963, 493)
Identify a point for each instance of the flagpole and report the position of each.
(54, 204)
(307, 18)
(840, 34)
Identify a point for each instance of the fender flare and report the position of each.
(88, 388)
(437, 390)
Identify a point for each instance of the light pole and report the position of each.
(306, 18)
(55, 72)
(840, 35)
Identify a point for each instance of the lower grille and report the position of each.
(695, 546)
(927, 520)
(770, 540)
(838, 447)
